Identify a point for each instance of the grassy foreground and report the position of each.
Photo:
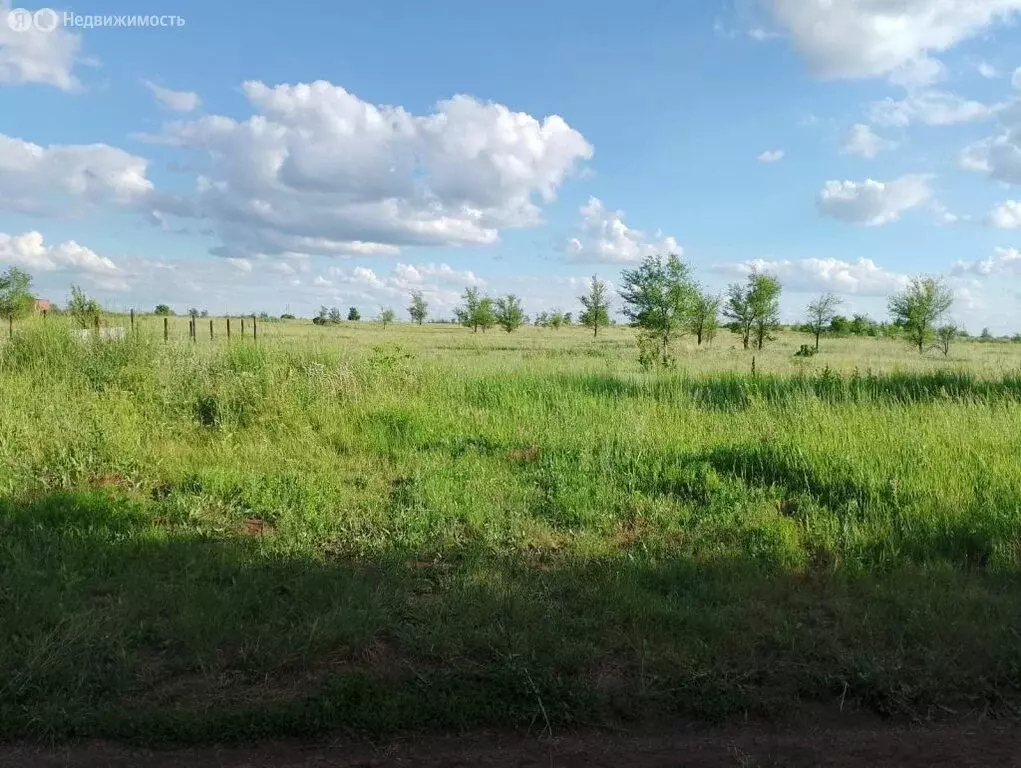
(381, 531)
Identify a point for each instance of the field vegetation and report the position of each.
(379, 529)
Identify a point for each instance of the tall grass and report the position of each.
(424, 527)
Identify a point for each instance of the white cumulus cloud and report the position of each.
(1007, 215)
(604, 237)
(771, 156)
(873, 203)
(849, 39)
(930, 107)
(317, 170)
(35, 57)
(862, 277)
(30, 251)
(1005, 262)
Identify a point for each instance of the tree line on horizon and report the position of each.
(660, 298)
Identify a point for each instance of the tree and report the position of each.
(945, 337)
(705, 317)
(193, 313)
(287, 316)
(739, 311)
(919, 307)
(509, 314)
(387, 316)
(352, 314)
(754, 307)
(659, 297)
(163, 310)
(596, 314)
(764, 298)
(84, 310)
(821, 313)
(419, 308)
(985, 335)
(205, 313)
(477, 311)
(542, 319)
(556, 319)
(15, 296)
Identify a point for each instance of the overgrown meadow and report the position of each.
(374, 531)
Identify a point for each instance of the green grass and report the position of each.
(421, 527)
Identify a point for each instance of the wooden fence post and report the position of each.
(132, 320)
(210, 330)
(44, 315)
(242, 327)
(97, 326)
(228, 329)
(166, 328)
(255, 330)
(753, 365)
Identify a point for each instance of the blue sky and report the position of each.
(262, 157)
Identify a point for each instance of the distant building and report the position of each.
(42, 305)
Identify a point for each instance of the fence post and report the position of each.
(255, 329)
(210, 330)
(44, 314)
(242, 327)
(228, 329)
(166, 328)
(97, 326)
(132, 320)
(753, 365)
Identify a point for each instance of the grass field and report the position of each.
(419, 527)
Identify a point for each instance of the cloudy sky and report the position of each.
(282, 156)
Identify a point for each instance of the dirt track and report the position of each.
(861, 744)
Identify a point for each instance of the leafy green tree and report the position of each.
(764, 297)
(85, 311)
(659, 298)
(919, 307)
(419, 308)
(509, 314)
(352, 314)
(193, 313)
(556, 320)
(986, 335)
(477, 311)
(596, 312)
(705, 317)
(15, 295)
(568, 318)
(163, 310)
(821, 312)
(945, 336)
(287, 316)
(387, 316)
(542, 319)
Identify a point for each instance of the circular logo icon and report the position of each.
(45, 19)
(19, 19)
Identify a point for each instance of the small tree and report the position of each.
(821, 313)
(509, 314)
(764, 297)
(739, 312)
(542, 319)
(419, 308)
(945, 336)
(919, 307)
(163, 310)
(84, 310)
(556, 320)
(205, 313)
(353, 314)
(15, 296)
(705, 317)
(193, 313)
(387, 316)
(659, 298)
(596, 312)
(986, 335)
(477, 311)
